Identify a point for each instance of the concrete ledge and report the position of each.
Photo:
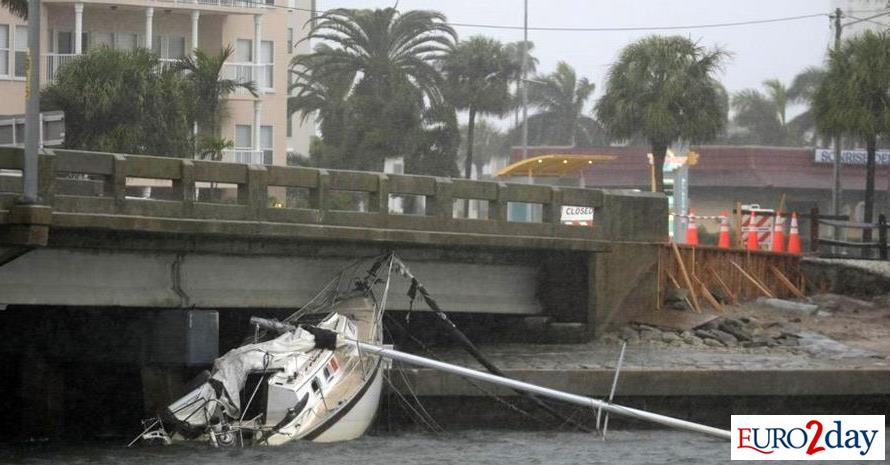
(656, 382)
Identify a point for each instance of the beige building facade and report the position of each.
(265, 35)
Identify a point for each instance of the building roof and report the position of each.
(721, 166)
(553, 164)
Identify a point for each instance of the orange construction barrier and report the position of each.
(753, 244)
(778, 244)
(691, 231)
(794, 236)
(723, 239)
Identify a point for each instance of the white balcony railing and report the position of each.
(252, 157)
(222, 3)
(52, 62)
(261, 74)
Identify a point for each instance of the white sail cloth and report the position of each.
(287, 352)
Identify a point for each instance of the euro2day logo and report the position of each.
(807, 437)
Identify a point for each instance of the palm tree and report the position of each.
(663, 89)
(16, 7)
(762, 114)
(801, 91)
(516, 52)
(476, 74)
(488, 143)
(854, 99)
(561, 97)
(323, 97)
(203, 71)
(382, 46)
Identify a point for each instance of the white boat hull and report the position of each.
(359, 417)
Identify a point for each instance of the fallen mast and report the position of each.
(543, 391)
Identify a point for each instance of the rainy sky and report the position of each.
(763, 51)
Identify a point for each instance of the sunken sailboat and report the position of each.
(298, 378)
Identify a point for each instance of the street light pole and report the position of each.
(524, 83)
(32, 106)
(836, 171)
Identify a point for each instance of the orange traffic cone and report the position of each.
(723, 239)
(794, 236)
(778, 244)
(691, 231)
(752, 243)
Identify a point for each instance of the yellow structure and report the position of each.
(555, 165)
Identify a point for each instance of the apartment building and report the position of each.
(265, 35)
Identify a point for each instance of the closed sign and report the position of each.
(577, 216)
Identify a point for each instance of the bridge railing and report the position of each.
(94, 183)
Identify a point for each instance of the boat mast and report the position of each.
(543, 391)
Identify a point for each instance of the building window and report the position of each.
(243, 136)
(125, 41)
(21, 50)
(175, 47)
(266, 144)
(102, 39)
(290, 125)
(64, 42)
(267, 58)
(4, 50)
(244, 51)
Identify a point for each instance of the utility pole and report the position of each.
(32, 106)
(524, 88)
(836, 172)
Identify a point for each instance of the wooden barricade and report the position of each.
(717, 277)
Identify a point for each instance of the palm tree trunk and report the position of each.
(871, 148)
(659, 152)
(572, 129)
(471, 123)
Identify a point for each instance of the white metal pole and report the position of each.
(32, 106)
(543, 391)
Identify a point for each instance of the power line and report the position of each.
(646, 28)
(869, 18)
(596, 29)
(859, 20)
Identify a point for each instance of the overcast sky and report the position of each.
(774, 50)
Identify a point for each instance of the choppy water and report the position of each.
(466, 447)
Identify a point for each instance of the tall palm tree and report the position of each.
(801, 91)
(663, 89)
(516, 52)
(323, 97)
(854, 99)
(561, 97)
(209, 88)
(382, 46)
(16, 7)
(476, 75)
(762, 114)
(488, 143)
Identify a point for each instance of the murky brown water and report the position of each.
(466, 447)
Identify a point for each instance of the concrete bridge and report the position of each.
(90, 244)
(115, 298)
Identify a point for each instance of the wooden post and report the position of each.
(685, 277)
(882, 236)
(814, 229)
(738, 225)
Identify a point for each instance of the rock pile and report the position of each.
(722, 332)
